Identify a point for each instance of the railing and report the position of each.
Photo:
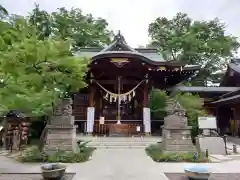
(124, 129)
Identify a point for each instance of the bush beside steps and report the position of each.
(156, 153)
(33, 154)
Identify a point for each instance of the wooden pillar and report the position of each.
(223, 118)
(146, 111)
(145, 95)
(91, 110)
(236, 117)
(91, 95)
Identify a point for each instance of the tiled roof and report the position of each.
(119, 45)
(235, 65)
(151, 54)
(204, 89)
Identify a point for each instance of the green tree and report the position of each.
(35, 73)
(42, 20)
(84, 30)
(193, 105)
(202, 43)
(157, 103)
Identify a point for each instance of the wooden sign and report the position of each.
(138, 128)
(101, 120)
(162, 68)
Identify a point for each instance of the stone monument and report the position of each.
(61, 131)
(175, 131)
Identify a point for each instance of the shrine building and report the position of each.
(226, 107)
(120, 78)
(221, 101)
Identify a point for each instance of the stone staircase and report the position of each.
(120, 142)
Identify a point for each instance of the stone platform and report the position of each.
(217, 176)
(30, 176)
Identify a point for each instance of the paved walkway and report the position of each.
(119, 164)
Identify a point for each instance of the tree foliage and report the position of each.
(194, 108)
(157, 103)
(34, 73)
(84, 30)
(202, 43)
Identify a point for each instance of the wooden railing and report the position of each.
(124, 129)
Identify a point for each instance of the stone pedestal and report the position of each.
(176, 132)
(61, 131)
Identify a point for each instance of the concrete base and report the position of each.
(147, 134)
(89, 134)
(61, 135)
(60, 139)
(177, 140)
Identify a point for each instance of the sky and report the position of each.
(132, 17)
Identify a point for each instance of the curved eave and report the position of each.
(232, 67)
(228, 100)
(130, 54)
(192, 67)
(169, 79)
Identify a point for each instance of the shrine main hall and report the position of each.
(120, 78)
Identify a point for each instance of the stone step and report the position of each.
(119, 139)
(120, 142)
(105, 141)
(115, 142)
(119, 147)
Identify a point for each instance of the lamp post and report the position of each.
(119, 102)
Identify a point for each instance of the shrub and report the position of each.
(157, 103)
(156, 153)
(35, 155)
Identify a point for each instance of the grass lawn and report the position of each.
(156, 153)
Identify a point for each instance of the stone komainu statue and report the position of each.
(176, 132)
(176, 115)
(63, 108)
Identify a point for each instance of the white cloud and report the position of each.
(133, 16)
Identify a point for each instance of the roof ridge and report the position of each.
(118, 40)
